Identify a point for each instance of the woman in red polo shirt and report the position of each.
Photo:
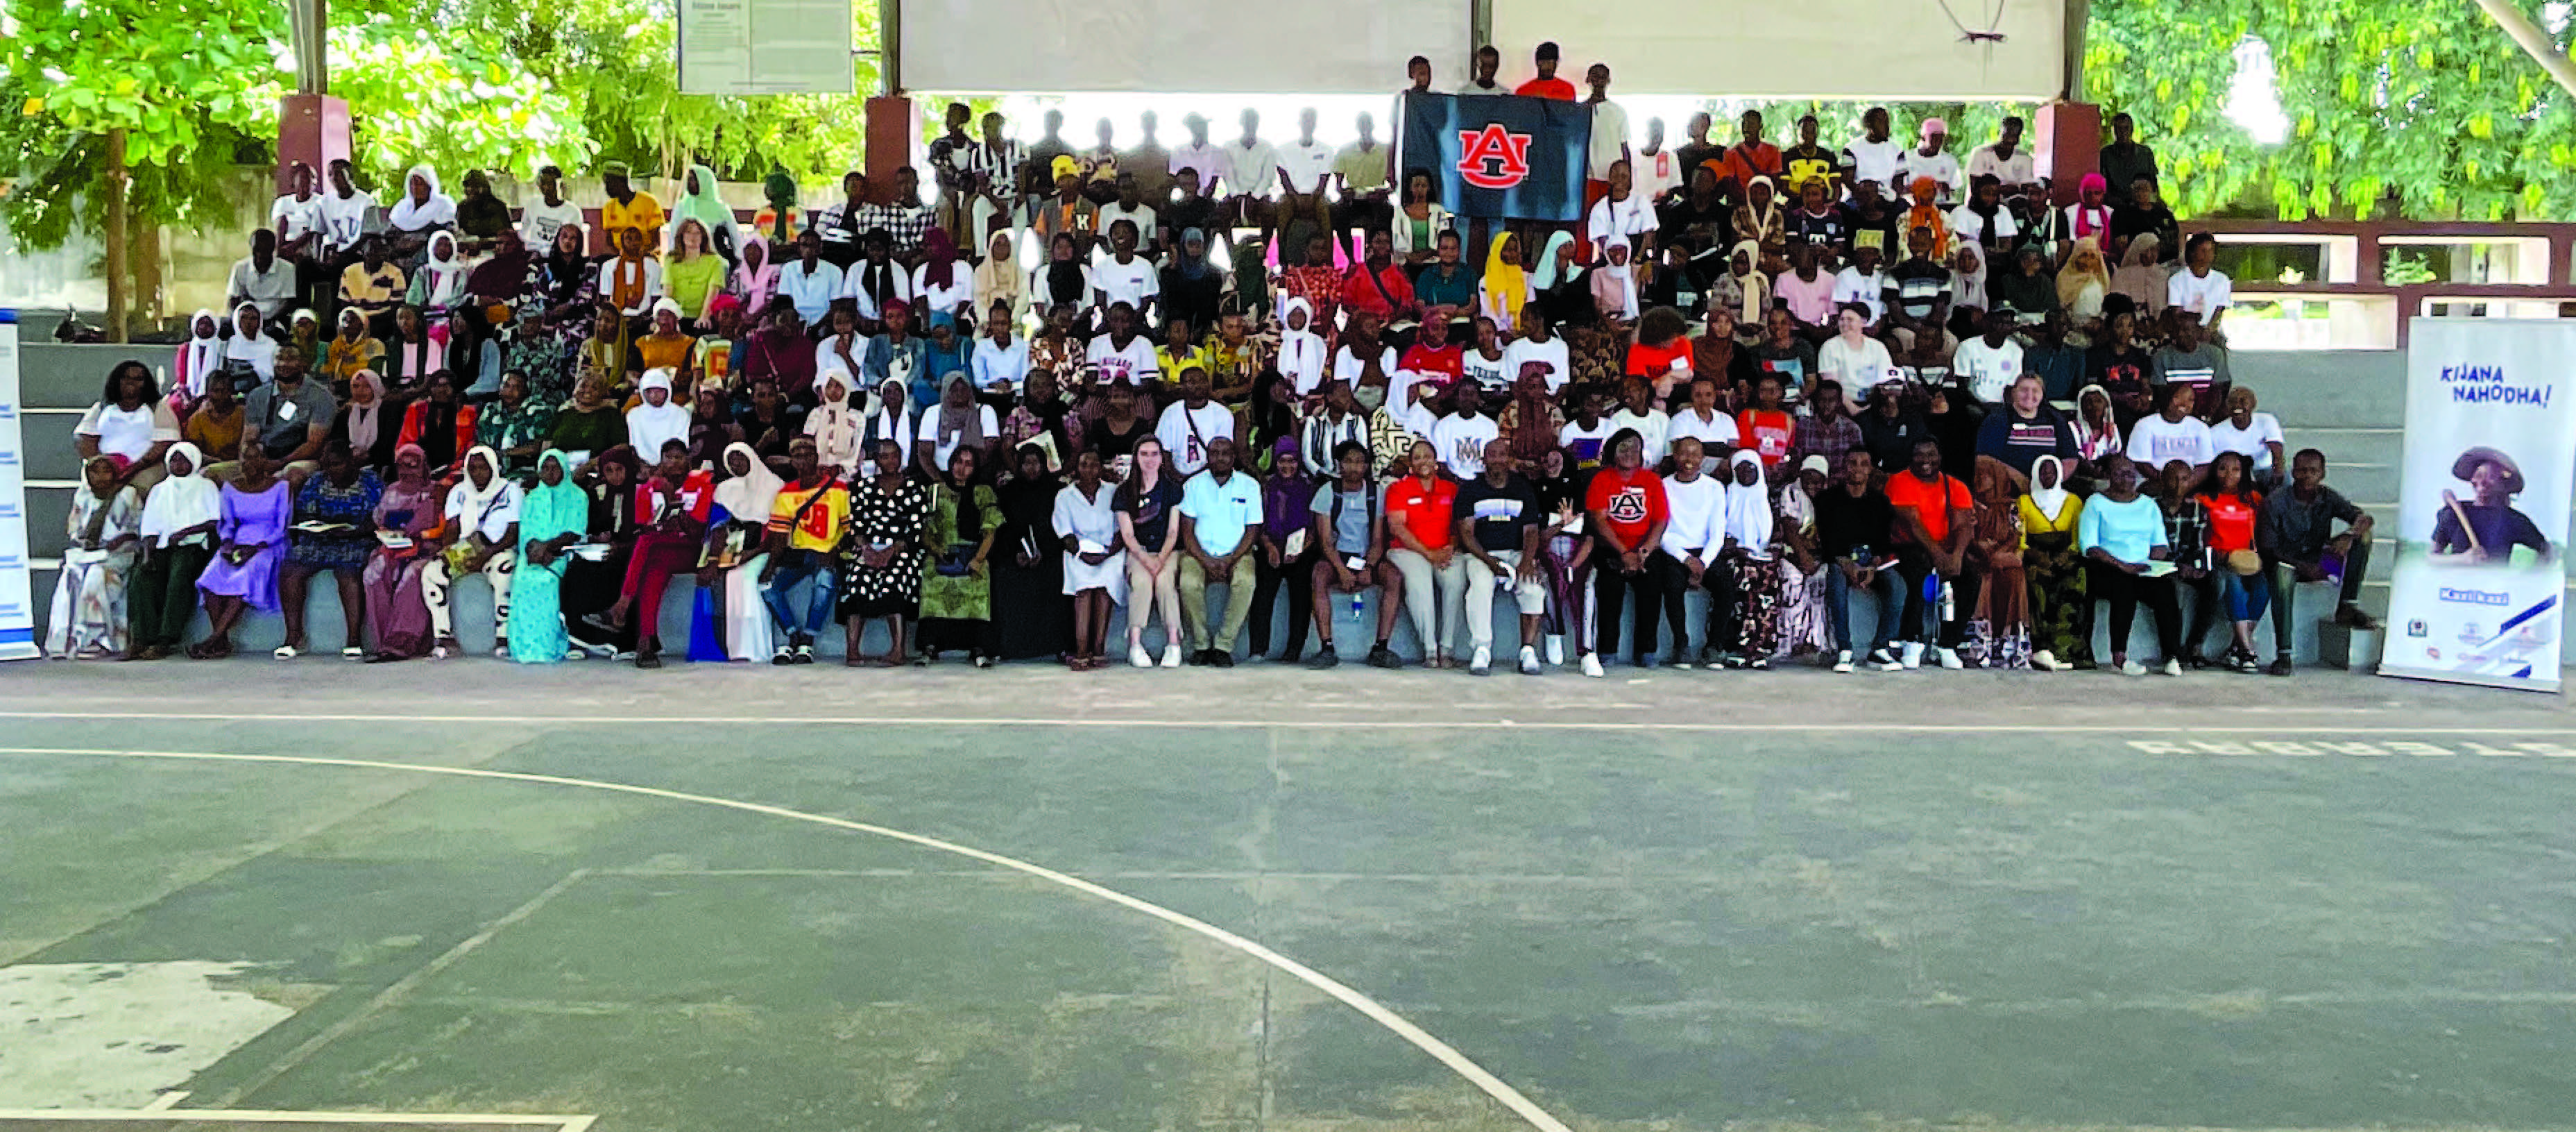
(1766, 428)
(1422, 536)
(1628, 512)
(2236, 571)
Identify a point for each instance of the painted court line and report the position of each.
(270, 1116)
(1384, 724)
(1441, 1051)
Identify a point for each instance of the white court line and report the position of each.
(166, 1100)
(272, 1116)
(1441, 1051)
(1299, 724)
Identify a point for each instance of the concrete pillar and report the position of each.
(894, 127)
(313, 129)
(2069, 145)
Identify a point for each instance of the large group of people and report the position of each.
(1802, 380)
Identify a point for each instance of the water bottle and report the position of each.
(1949, 603)
(1359, 606)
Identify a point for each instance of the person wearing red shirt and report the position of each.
(1662, 352)
(1934, 517)
(1628, 512)
(1547, 85)
(1433, 359)
(1747, 159)
(1376, 285)
(1422, 533)
(1766, 428)
(2235, 576)
(672, 506)
(1317, 281)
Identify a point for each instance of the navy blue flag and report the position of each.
(1498, 157)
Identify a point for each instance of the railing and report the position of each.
(2324, 284)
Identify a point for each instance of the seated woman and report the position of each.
(553, 517)
(1095, 574)
(671, 506)
(2061, 611)
(252, 532)
(482, 536)
(440, 424)
(351, 350)
(592, 426)
(597, 571)
(406, 521)
(516, 425)
(957, 580)
(1148, 505)
(366, 424)
(334, 532)
(179, 524)
(2229, 500)
(2121, 532)
(736, 552)
(881, 574)
(957, 423)
(105, 527)
(1746, 600)
(659, 419)
(2003, 593)
(1030, 616)
(131, 426)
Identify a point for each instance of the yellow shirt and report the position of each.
(643, 213)
(824, 522)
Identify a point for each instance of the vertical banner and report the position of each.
(1498, 157)
(2478, 595)
(17, 601)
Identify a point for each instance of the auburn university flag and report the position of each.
(1498, 156)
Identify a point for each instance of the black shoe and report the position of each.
(1325, 659)
(1380, 656)
(1200, 658)
(2193, 661)
(2280, 666)
(1220, 658)
(649, 655)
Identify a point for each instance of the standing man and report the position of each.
(1609, 141)
(1748, 158)
(1502, 526)
(1037, 169)
(1220, 510)
(1305, 163)
(1151, 164)
(1656, 170)
(1480, 80)
(995, 168)
(1874, 155)
(952, 169)
(1930, 161)
(1698, 150)
(1361, 172)
(2124, 161)
(1547, 85)
(1808, 162)
(1208, 161)
(1252, 174)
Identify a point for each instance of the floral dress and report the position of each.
(963, 601)
(2061, 611)
(89, 618)
(879, 517)
(321, 501)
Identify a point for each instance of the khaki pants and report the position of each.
(1435, 616)
(1481, 582)
(1194, 602)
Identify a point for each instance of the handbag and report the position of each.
(2244, 563)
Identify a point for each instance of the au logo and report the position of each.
(1493, 157)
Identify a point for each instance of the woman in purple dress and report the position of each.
(251, 527)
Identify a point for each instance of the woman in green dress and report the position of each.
(553, 517)
(956, 578)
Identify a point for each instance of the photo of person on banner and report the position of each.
(2486, 527)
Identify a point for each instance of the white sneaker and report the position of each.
(1556, 649)
(1483, 662)
(1592, 665)
(2133, 668)
(1885, 660)
(1949, 658)
(1842, 661)
(2044, 660)
(1171, 656)
(1913, 656)
(1136, 655)
(1529, 661)
(2173, 667)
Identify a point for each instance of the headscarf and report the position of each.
(2083, 267)
(833, 424)
(200, 356)
(648, 426)
(1064, 275)
(997, 279)
(1193, 267)
(2050, 501)
(780, 186)
(2095, 440)
(411, 217)
(1616, 282)
(1926, 213)
(365, 421)
(938, 258)
(2092, 223)
(551, 511)
(703, 206)
(1757, 286)
(1770, 214)
(747, 498)
(179, 502)
(964, 426)
(1505, 286)
(1748, 508)
(756, 284)
(503, 275)
(443, 274)
(892, 418)
(1302, 353)
(2140, 277)
(1546, 278)
(255, 349)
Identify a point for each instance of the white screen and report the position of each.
(1006, 46)
(1857, 49)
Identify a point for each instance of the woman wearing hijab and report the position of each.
(441, 424)
(481, 532)
(565, 285)
(366, 422)
(838, 430)
(2082, 285)
(251, 534)
(737, 535)
(1567, 553)
(1749, 287)
(200, 357)
(959, 422)
(1999, 630)
(755, 280)
(711, 425)
(422, 209)
(1063, 279)
(1563, 297)
(1614, 286)
(2026, 290)
(1504, 289)
(105, 526)
(1761, 221)
(947, 290)
(439, 286)
(884, 556)
(959, 538)
(1193, 286)
(1746, 601)
(1041, 416)
(407, 521)
(694, 275)
(1926, 213)
(1805, 622)
(699, 202)
(1530, 421)
(1303, 354)
(178, 536)
(554, 517)
(350, 350)
(334, 532)
(2097, 426)
(998, 280)
(250, 355)
(668, 346)
(1030, 616)
(2141, 278)
(506, 278)
(597, 572)
(2061, 611)
(1275, 414)
(658, 419)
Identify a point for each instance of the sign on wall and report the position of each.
(2479, 591)
(765, 47)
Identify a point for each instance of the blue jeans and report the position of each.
(2244, 597)
(1883, 587)
(796, 569)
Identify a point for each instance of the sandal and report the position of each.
(286, 652)
(353, 652)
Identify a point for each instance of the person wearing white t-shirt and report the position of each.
(1863, 282)
(1252, 165)
(1609, 128)
(1990, 362)
(1929, 160)
(1585, 432)
(2173, 434)
(1873, 156)
(2006, 161)
(1540, 346)
(539, 220)
(2255, 436)
(1132, 208)
(1655, 170)
(1460, 437)
(1653, 425)
(1703, 421)
(1187, 425)
(1125, 277)
(1851, 356)
(1305, 162)
(344, 212)
(1122, 354)
(1487, 363)
(483, 521)
(296, 217)
(2200, 287)
(1622, 215)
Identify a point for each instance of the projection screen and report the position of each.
(1231, 47)
(1847, 49)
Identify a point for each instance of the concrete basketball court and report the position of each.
(473, 896)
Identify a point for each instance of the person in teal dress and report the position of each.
(553, 517)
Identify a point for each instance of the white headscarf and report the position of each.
(408, 216)
(1748, 509)
(748, 498)
(180, 502)
(255, 349)
(2051, 501)
(1301, 352)
(835, 427)
(442, 274)
(200, 356)
(1618, 277)
(478, 497)
(648, 427)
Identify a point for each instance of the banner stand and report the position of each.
(2479, 592)
(17, 599)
